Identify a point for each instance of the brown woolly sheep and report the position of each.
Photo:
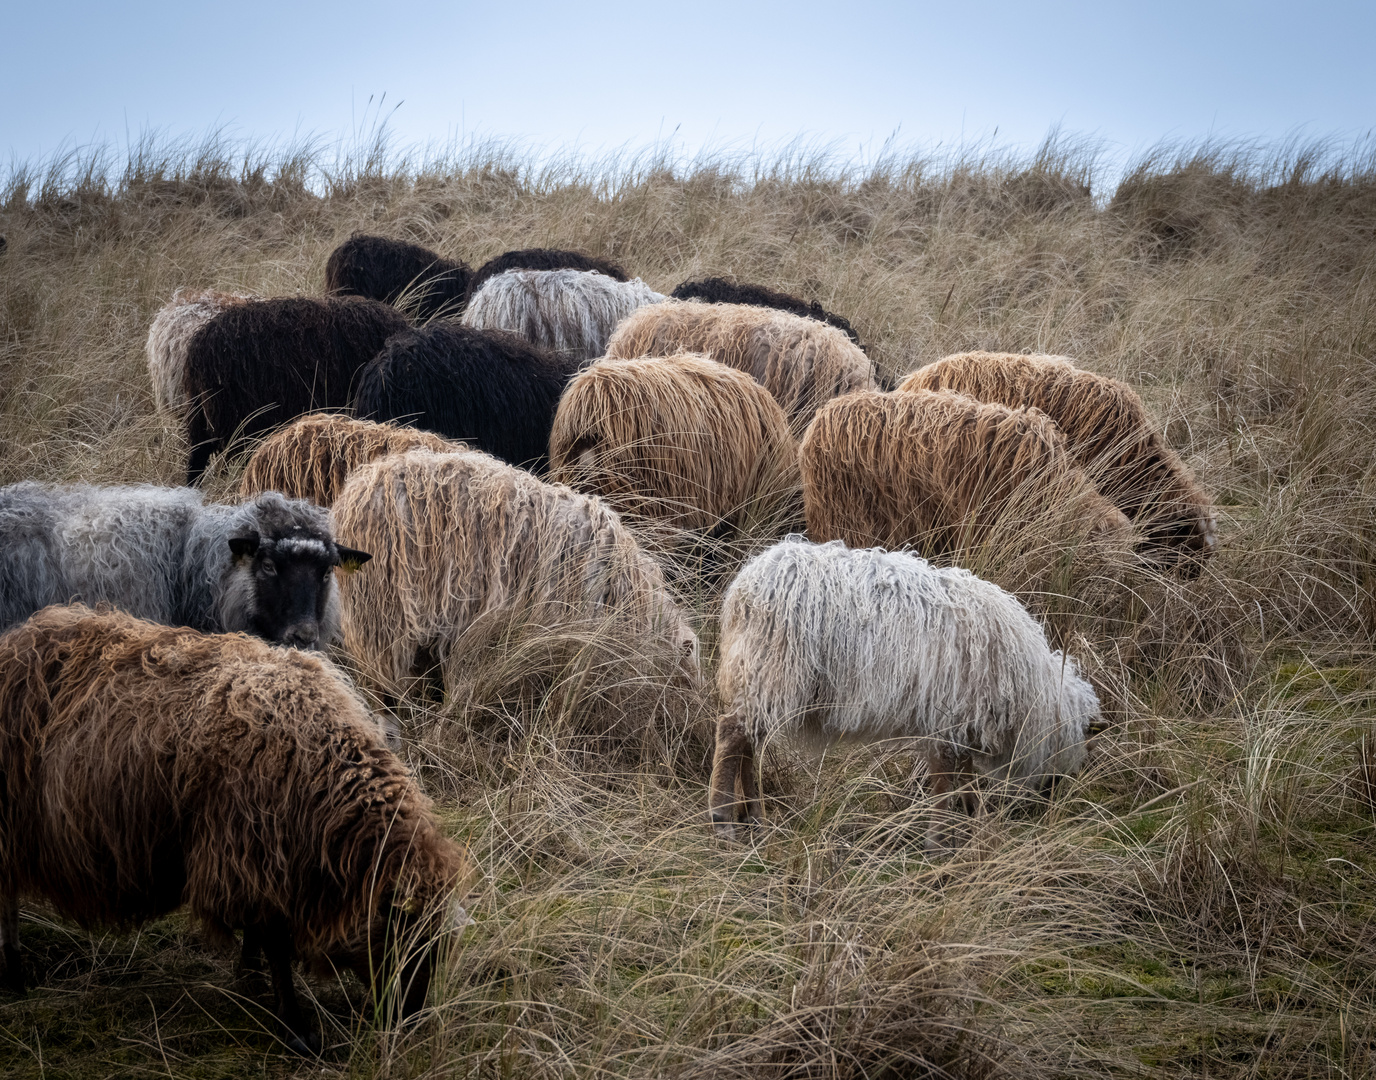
(312, 458)
(680, 439)
(804, 363)
(150, 767)
(470, 548)
(941, 471)
(1107, 429)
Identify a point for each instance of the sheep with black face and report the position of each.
(265, 567)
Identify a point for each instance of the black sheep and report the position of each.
(715, 290)
(492, 389)
(542, 259)
(380, 268)
(256, 366)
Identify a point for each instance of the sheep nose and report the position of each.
(302, 636)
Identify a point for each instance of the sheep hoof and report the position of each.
(307, 1047)
(724, 828)
(12, 977)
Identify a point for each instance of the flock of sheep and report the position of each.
(436, 450)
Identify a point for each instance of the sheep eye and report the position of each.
(269, 567)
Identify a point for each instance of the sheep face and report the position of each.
(287, 585)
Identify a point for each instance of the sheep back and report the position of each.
(493, 389)
(464, 543)
(254, 367)
(942, 471)
(681, 439)
(1107, 429)
(398, 272)
(311, 458)
(543, 259)
(715, 290)
(823, 642)
(572, 311)
(803, 363)
(170, 336)
(150, 767)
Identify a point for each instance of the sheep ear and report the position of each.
(350, 559)
(243, 547)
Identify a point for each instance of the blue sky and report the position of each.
(599, 76)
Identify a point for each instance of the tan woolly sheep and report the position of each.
(679, 439)
(469, 548)
(1107, 429)
(311, 458)
(944, 472)
(149, 767)
(802, 362)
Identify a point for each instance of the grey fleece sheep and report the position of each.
(820, 642)
(263, 567)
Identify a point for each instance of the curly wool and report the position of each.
(398, 272)
(158, 553)
(170, 336)
(543, 259)
(254, 367)
(463, 542)
(803, 363)
(149, 768)
(311, 458)
(941, 471)
(820, 642)
(1107, 429)
(492, 389)
(715, 290)
(681, 439)
(573, 311)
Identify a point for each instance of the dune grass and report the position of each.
(1199, 903)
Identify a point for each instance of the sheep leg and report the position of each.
(12, 976)
(732, 763)
(277, 947)
(950, 786)
(251, 954)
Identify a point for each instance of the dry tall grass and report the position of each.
(1200, 902)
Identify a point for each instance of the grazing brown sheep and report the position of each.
(311, 458)
(804, 363)
(148, 768)
(941, 471)
(470, 549)
(1107, 429)
(680, 439)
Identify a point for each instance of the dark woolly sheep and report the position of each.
(256, 366)
(149, 768)
(175, 324)
(802, 362)
(493, 389)
(679, 439)
(1107, 429)
(944, 472)
(394, 271)
(715, 290)
(265, 566)
(543, 259)
(312, 458)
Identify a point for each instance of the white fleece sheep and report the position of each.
(820, 642)
(571, 311)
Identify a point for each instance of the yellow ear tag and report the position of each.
(349, 566)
